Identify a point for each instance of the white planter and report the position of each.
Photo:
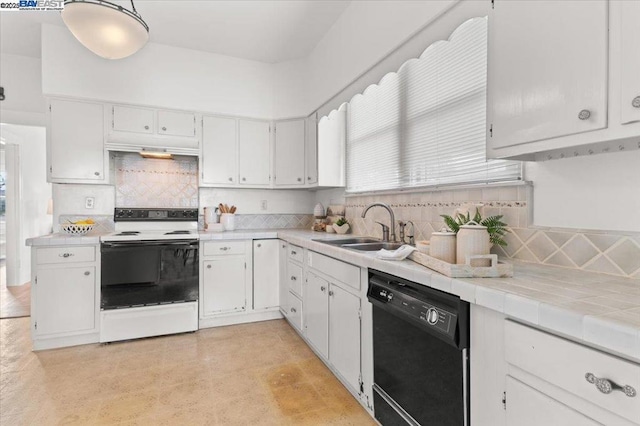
(343, 229)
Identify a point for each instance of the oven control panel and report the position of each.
(169, 215)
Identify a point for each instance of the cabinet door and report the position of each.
(266, 275)
(344, 334)
(129, 119)
(316, 313)
(630, 67)
(528, 407)
(311, 151)
(547, 70)
(174, 123)
(219, 151)
(76, 141)
(65, 300)
(224, 285)
(284, 278)
(289, 153)
(254, 152)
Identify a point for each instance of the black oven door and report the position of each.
(143, 273)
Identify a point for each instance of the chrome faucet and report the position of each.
(385, 228)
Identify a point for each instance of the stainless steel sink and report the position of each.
(354, 240)
(373, 246)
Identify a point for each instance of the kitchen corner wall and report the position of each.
(616, 253)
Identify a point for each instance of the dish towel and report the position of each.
(397, 254)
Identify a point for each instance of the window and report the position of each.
(426, 124)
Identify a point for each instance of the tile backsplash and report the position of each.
(596, 251)
(273, 221)
(145, 182)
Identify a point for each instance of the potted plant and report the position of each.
(341, 226)
(495, 226)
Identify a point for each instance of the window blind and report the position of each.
(426, 124)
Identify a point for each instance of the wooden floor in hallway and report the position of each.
(250, 374)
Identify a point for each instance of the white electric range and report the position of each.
(149, 274)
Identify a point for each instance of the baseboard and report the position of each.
(240, 318)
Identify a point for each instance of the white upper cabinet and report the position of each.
(311, 150)
(131, 119)
(563, 78)
(547, 70)
(75, 140)
(332, 134)
(133, 128)
(629, 18)
(219, 152)
(289, 153)
(254, 152)
(173, 123)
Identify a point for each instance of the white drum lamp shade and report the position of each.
(108, 30)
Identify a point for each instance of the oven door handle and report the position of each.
(149, 243)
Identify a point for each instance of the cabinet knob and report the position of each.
(244, 179)
(294, 310)
(230, 179)
(584, 114)
(146, 127)
(293, 253)
(87, 272)
(208, 266)
(293, 278)
(308, 177)
(607, 386)
(65, 255)
(259, 245)
(330, 293)
(164, 129)
(299, 179)
(636, 102)
(97, 173)
(322, 288)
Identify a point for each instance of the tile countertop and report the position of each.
(597, 309)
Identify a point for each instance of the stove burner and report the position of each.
(178, 233)
(125, 233)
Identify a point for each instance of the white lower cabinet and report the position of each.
(266, 274)
(283, 284)
(344, 334)
(317, 313)
(528, 407)
(64, 296)
(226, 278)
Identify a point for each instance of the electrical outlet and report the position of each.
(263, 205)
(89, 202)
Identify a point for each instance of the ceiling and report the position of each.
(265, 31)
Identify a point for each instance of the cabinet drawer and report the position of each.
(565, 364)
(343, 272)
(294, 276)
(295, 311)
(223, 248)
(295, 253)
(66, 254)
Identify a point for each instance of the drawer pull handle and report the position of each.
(294, 310)
(607, 386)
(224, 248)
(293, 278)
(65, 255)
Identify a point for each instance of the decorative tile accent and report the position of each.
(626, 255)
(559, 238)
(146, 182)
(541, 246)
(579, 250)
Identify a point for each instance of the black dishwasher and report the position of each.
(420, 353)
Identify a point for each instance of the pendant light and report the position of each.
(106, 29)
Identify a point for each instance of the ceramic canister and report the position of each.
(228, 220)
(473, 239)
(443, 246)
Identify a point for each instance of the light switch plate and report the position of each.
(89, 202)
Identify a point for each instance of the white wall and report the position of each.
(157, 75)
(248, 201)
(33, 197)
(21, 78)
(595, 192)
(69, 199)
